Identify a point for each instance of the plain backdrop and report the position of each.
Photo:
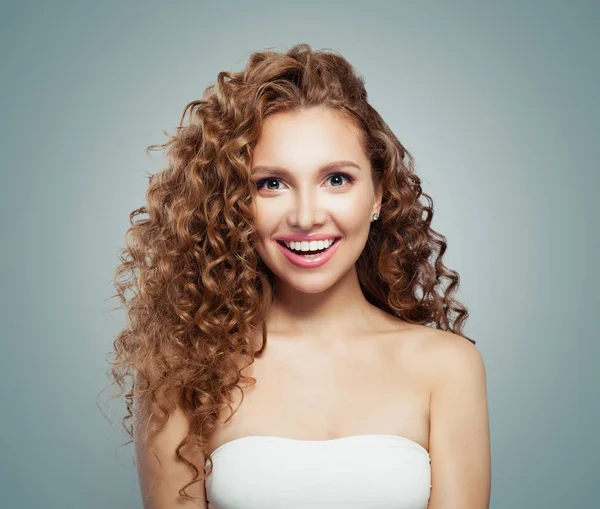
(498, 102)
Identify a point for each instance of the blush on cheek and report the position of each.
(353, 217)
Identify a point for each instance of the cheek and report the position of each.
(352, 213)
(266, 219)
(266, 215)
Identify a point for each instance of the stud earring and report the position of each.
(375, 216)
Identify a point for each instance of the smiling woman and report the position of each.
(290, 211)
(327, 189)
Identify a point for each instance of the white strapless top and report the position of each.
(375, 471)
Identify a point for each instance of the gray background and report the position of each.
(498, 103)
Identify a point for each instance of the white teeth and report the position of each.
(313, 245)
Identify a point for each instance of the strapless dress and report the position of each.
(375, 471)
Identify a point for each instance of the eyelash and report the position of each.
(259, 183)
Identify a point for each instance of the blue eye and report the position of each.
(343, 175)
(261, 182)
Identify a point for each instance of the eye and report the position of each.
(343, 175)
(259, 183)
(268, 180)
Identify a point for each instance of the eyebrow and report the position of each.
(278, 170)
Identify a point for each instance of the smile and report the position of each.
(315, 255)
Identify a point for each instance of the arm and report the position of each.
(159, 484)
(459, 435)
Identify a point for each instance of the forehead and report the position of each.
(310, 137)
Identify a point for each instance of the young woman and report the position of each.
(289, 339)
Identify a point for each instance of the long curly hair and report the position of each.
(200, 292)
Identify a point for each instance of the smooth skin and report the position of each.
(335, 365)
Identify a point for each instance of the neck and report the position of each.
(334, 313)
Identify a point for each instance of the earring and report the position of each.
(375, 216)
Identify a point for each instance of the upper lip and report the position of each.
(298, 237)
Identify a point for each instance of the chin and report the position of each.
(308, 288)
(305, 283)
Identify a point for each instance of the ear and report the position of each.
(378, 197)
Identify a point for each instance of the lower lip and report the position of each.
(307, 263)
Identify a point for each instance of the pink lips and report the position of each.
(307, 263)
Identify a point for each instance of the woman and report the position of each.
(290, 211)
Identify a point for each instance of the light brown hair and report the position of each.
(199, 290)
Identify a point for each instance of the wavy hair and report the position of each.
(199, 290)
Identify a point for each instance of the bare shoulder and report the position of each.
(442, 354)
(459, 439)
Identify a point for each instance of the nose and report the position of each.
(306, 211)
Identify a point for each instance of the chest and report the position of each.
(313, 393)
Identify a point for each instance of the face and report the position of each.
(313, 180)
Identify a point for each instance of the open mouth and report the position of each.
(310, 253)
